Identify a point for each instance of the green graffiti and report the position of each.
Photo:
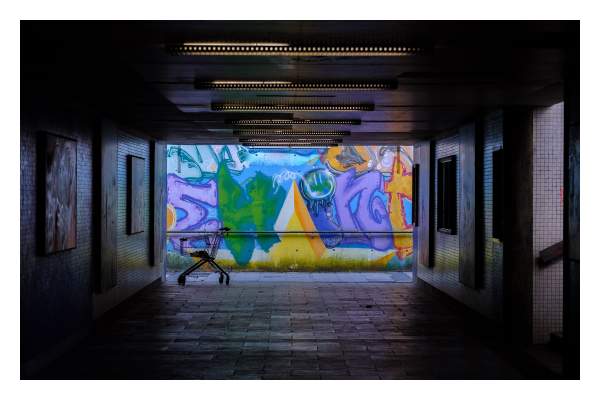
(225, 155)
(318, 187)
(175, 261)
(265, 207)
(241, 211)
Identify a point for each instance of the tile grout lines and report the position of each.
(264, 330)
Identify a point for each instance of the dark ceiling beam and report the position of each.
(120, 69)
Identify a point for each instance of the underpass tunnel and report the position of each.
(401, 200)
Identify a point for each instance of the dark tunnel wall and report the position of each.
(56, 289)
(59, 304)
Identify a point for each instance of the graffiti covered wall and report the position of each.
(342, 189)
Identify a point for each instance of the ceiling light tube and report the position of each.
(284, 49)
(291, 144)
(290, 133)
(291, 107)
(278, 148)
(292, 121)
(225, 83)
(238, 44)
(257, 85)
(286, 140)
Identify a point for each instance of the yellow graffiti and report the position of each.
(171, 217)
(334, 154)
(297, 248)
(307, 223)
(395, 187)
(382, 262)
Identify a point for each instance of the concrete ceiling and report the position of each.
(120, 69)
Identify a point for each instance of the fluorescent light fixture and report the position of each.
(290, 144)
(245, 83)
(284, 49)
(278, 148)
(291, 133)
(292, 121)
(258, 85)
(238, 44)
(292, 107)
(286, 140)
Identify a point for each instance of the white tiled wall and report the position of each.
(547, 227)
(548, 148)
(486, 300)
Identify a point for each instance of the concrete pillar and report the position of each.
(518, 223)
(571, 359)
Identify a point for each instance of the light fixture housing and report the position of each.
(284, 49)
(293, 86)
(291, 107)
(292, 121)
(290, 144)
(286, 140)
(258, 44)
(290, 133)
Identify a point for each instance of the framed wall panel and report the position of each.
(136, 202)
(446, 195)
(59, 193)
(415, 195)
(497, 203)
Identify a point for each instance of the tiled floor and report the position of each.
(304, 277)
(544, 353)
(285, 330)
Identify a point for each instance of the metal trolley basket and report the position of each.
(205, 247)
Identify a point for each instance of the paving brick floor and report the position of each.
(285, 330)
(305, 277)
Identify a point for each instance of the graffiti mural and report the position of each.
(339, 191)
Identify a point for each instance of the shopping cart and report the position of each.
(205, 247)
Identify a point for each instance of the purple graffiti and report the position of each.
(370, 214)
(325, 222)
(190, 197)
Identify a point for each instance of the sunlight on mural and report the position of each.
(342, 189)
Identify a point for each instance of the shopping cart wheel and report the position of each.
(181, 280)
(221, 279)
(227, 280)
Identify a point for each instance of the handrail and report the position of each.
(290, 232)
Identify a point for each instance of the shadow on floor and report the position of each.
(288, 330)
